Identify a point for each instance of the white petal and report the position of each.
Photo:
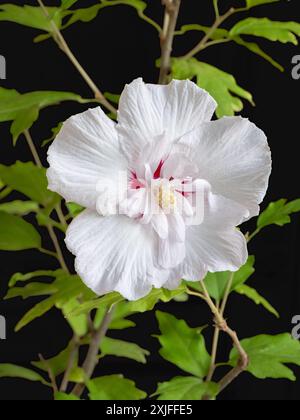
(234, 157)
(85, 151)
(160, 225)
(113, 254)
(216, 245)
(170, 253)
(148, 111)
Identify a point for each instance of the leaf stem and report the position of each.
(59, 253)
(50, 373)
(222, 325)
(74, 350)
(91, 360)
(172, 8)
(60, 40)
(205, 40)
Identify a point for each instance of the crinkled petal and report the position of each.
(234, 157)
(85, 152)
(149, 111)
(113, 254)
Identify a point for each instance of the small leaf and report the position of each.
(252, 294)
(31, 290)
(269, 356)
(74, 209)
(183, 346)
(119, 348)
(13, 371)
(16, 234)
(186, 389)
(31, 181)
(222, 86)
(61, 396)
(263, 27)
(19, 208)
(66, 4)
(278, 213)
(114, 387)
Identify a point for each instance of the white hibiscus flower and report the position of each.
(189, 182)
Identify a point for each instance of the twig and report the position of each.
(91, 360)
(222, 325)
(60, 40)
(70, 366)
(50, 373)
(203, 43)
(59, 253)
(167, 37)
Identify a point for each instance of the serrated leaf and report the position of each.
(16, 234)
(269, 356)
(186, 389)
(119, 348)
(33, 17)
(23, 109)
(79, 323)
(31, 290)
(221, 85)
(265, 28)
(252, 294)
(66, 4)
(29, 276)
(61, 396)
(189, 353)
(278, 213)
(114, 387)
(14, 371)
(19, 208)
(74, 209)
(31, 181)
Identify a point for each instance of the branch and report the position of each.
(50, 373)
(222, 325)
(91, 360)
(71, 361)
(167, 37)
(61, 42)
(203, 43)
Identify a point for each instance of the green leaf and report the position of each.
(263, 27)
(119, 348)
(216, 283)
(269, 356)
(19, 208)
(256, 49)
(31, 181)
(278, 213)
(183, 346)
(23, 109)
(66, 4)
(13, 371)
(29, 276)
(79, 323)
(31, 290)
(252, 294)
(55, 132)
(58, 363)
(150, 301)
(16, 234)
(68, 287)
(222, 86)
(114, 387)
(33, 17)
(186, 389)
(253, 3)
(74, 209)
(61, 396)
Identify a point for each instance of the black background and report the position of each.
(116, 48)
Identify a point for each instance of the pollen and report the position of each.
(166, 198)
